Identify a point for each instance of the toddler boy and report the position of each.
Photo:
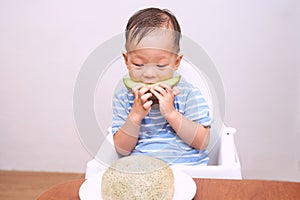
(176, 128)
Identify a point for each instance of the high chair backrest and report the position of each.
(111, 80)
(224, 162)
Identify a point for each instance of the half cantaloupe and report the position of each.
(130, 84)
(138, 177)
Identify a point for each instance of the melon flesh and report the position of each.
(130, 84)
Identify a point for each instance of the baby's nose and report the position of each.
(149, 72)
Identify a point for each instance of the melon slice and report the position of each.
(130, 84)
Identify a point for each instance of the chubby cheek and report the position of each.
(135, 75)
(166, 74)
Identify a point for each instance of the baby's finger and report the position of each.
(135, 94)
(160, 89)
(165, 86)
(146, 96)
(136, 88)
(144, 89)
(148, 105)
(156, 94)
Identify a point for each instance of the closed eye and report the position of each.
(161, 65)
(138, 65)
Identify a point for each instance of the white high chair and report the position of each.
(224, 162)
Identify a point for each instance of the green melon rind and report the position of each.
(130, 84)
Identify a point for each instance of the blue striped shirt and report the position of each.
(157, 138)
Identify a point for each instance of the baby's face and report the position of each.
(152, 59)
(150, 65)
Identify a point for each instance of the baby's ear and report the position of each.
(125, 56)
(178, 60)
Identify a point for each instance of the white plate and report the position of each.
(185, 187)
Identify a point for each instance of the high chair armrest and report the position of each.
(228, 154)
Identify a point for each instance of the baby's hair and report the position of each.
(147, 20)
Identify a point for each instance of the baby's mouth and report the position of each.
(150, 81)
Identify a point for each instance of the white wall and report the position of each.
(254, 44)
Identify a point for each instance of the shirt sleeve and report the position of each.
(120, 110)
(196, 108)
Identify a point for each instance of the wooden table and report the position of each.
(208, 189)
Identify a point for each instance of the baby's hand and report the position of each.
(165, 96)
(142, 104)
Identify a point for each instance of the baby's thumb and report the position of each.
(176, 90)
